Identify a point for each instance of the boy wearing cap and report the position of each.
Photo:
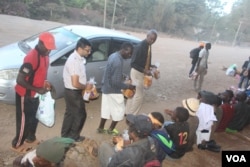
(135, 154)
(31, 80)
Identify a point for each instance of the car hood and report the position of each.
(11, 56)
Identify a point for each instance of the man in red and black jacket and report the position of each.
(31, 80)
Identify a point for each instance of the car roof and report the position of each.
(92, 32)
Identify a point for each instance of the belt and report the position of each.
(75, 90)
(204, 131)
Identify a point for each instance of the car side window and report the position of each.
(62, 60)
(116, 45)
(100, 50)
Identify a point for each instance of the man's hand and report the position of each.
(148, 72)
(88, 86)
(169, 112)
(131, 87)
(41, 90)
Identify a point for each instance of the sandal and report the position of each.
(22, 149)
(32, 143)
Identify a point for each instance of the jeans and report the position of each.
(243, 79)
(192, 69)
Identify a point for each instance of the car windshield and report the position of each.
(62, 36)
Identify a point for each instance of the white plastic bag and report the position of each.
(90, 93)
(46, 109)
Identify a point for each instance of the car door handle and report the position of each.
(55, 72)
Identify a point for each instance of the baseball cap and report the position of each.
(192, 105)
(202, 44)
(142, 123)
(53, 149)
(48, 40)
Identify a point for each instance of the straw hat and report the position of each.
(192, 105)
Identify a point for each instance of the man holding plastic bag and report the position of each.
(31, 80)
(75, 81)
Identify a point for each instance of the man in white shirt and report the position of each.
(75, 81)
(201, 68)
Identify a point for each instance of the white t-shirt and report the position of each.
(204, 56)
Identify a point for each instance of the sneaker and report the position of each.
(113, 132)
(202, 146)
(99, 130)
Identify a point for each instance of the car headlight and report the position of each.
(9, 74)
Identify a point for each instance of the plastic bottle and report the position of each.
(125, 137)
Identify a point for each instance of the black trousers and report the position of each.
(75, 114)
(26, 122)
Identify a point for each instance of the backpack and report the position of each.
(191, 55)
(194, 52)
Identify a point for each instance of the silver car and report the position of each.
(104, 42)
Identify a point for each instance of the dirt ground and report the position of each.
(167, 92)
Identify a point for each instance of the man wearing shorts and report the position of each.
(112, 98)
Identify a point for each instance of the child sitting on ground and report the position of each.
(242, 114)
(227, 110)
(178, 130)
(191, 104)
(164, 145)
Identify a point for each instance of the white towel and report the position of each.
(206, 116)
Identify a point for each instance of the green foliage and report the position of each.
(193, 19)
(75, 3)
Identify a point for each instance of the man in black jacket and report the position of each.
(194, 55)
(140, 66)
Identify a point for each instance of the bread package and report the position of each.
(147, 81)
